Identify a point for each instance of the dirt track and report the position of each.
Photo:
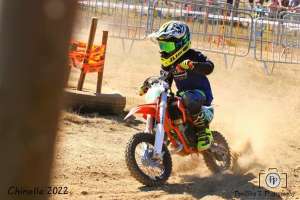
(259, 115)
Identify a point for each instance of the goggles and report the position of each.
(167, 46)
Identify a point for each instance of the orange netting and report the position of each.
(95, 58)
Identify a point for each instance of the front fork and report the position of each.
(149, 124)
(160, 132)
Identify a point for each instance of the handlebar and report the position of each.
(164, 75)
(167, 74)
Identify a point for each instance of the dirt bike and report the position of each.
(147, 153)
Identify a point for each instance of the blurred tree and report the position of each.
(33, 57)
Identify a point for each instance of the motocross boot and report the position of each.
(204, 134)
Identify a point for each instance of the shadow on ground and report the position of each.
(227, 186)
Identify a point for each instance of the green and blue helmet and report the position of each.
(174, 40)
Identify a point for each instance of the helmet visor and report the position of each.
(167, 46)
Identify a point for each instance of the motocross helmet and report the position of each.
(174, 40)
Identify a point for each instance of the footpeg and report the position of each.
(178, 149)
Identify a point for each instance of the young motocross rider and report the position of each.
(190, 75)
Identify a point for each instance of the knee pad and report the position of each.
(208, 112)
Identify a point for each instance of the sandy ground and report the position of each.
(258, 114)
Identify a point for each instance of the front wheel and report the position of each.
(145, 169)
(218, 156)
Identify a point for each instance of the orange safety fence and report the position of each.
(95, 58)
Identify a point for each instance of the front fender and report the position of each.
(144, 109)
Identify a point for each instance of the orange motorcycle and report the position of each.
(147, 153)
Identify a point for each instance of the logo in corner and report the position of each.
(272, 178)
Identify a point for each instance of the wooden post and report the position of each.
(100, 73)
(34, 42)
(88, 49)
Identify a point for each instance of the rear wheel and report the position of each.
(142, 166)
(218, 156)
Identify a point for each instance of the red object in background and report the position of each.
(95, 58)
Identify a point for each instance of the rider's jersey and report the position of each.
(196, 78)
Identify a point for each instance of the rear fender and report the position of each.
(144, 109)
